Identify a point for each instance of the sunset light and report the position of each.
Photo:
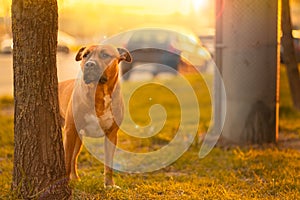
(150, 99)
(154, 6)
(197, 4)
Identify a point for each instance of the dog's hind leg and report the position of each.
(77, 149)
(69, 145)
(72, 146)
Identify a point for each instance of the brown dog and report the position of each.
(97, 91)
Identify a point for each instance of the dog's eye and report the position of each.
(105, 55)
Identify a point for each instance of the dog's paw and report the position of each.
(75, 178)
(112, 187)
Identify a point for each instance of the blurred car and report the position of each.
(162, 46)
(64, 41)
(207, 37)
(296, 39)
(6, 46)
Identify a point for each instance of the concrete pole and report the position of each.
(249, 62)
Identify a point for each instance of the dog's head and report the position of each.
(100, 63)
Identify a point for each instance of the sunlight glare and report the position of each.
(197, 4)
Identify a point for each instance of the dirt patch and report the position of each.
(289, 141)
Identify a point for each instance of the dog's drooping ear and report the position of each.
(79, 54)
(124, 55)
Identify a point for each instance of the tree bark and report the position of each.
(39, 168)
(289, 55)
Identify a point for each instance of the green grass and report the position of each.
(289, 117)
(267, 172)
(231, 174)
(6, 153)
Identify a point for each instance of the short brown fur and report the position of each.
(107, 86)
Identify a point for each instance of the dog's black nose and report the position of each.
(90, 64)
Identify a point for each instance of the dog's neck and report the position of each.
(108, 87)
(105, 91)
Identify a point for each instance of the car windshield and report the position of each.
(150, 38)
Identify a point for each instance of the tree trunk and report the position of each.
(39, 168)
(289, 55)
(250, 70)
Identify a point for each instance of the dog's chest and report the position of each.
(106, 117)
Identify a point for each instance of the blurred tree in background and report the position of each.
(289, 55)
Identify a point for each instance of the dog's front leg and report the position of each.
(109, 150)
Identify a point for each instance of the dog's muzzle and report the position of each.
(93, 73)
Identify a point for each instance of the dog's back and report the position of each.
(65, 90)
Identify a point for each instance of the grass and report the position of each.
(266, 172)
(231, 174)
(289, 117)
(6, 154)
